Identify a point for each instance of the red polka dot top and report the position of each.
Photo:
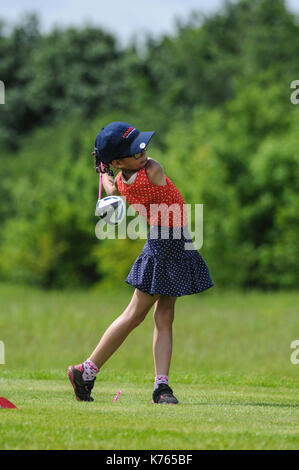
(161, 205)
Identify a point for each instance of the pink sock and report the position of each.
(90, 370)
(160, 379)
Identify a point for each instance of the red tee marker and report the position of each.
(4, 403)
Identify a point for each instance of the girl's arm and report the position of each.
(108, 181)
(155, 172)
(110, 185)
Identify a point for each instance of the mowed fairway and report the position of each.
(231, 372)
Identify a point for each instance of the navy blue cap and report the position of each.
(120, 139)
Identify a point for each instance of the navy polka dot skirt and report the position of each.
(165, 267)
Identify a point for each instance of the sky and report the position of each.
(124, 18)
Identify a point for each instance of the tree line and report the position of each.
(217, 92)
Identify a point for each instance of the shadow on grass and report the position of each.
(279, 405)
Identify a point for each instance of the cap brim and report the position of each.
(138, 144)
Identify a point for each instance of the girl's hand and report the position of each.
(101, 167)
(105, 168)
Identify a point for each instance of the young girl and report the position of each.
(162, 272)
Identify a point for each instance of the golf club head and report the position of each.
(111, 209)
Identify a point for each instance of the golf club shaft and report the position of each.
(100, 182)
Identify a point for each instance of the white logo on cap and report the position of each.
(142, 145)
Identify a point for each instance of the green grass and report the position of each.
(231, 371)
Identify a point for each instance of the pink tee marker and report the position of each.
(4, 403)
(116, 398)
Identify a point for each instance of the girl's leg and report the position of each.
(162, 344)
(117, 332)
